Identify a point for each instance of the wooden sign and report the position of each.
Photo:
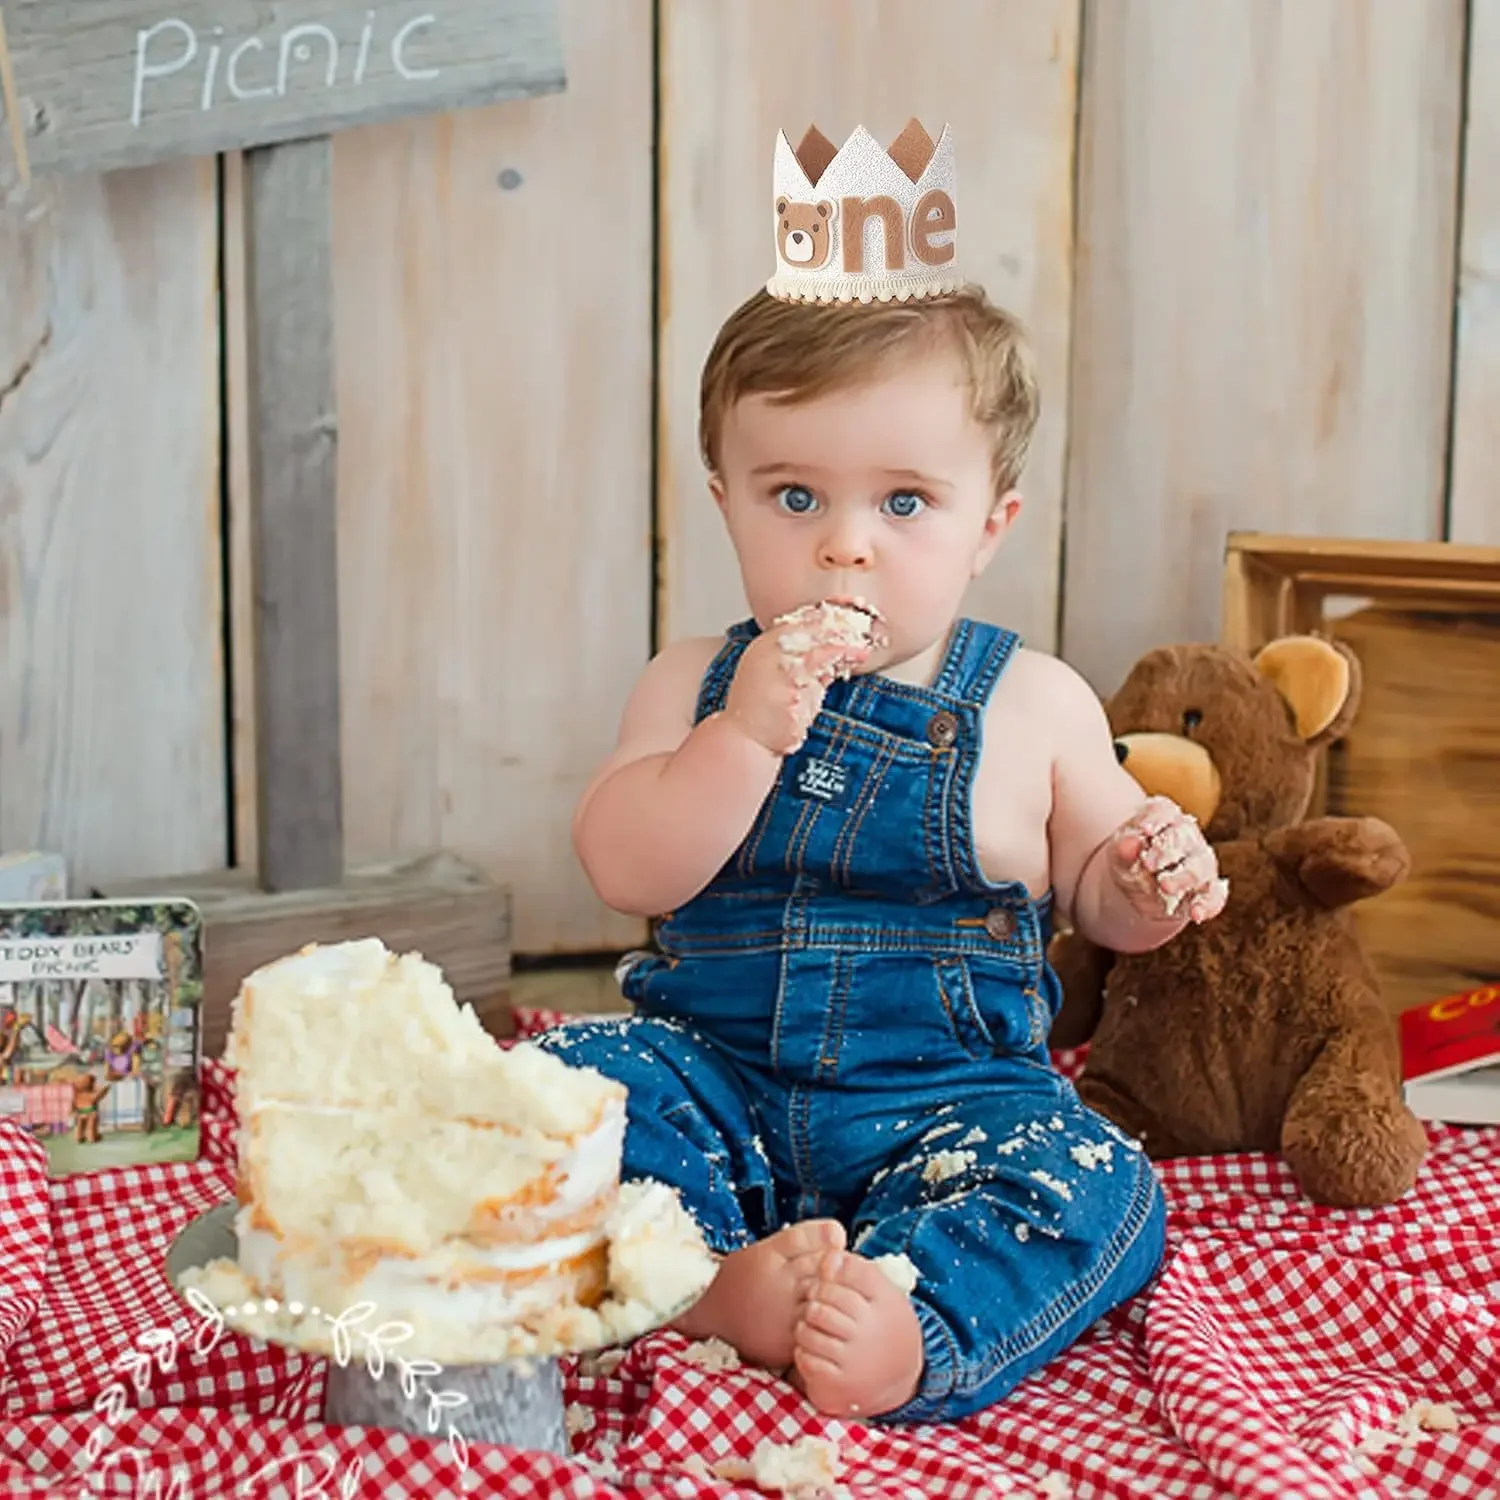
(99, 84)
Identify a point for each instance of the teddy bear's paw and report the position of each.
(1362, 1160)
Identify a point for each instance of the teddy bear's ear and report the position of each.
(1319, 678)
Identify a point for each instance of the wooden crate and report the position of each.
(436, 905)
(1424, 751)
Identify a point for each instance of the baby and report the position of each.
(858, 841)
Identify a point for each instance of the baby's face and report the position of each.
(881, 492)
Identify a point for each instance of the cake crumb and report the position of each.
(712, 1354)
(898, 1270)
(807, 1469)
(578, 1419)
(1057, 1185)
(1090, 1155)
(946, 1164)
(1420, 1418)
(604, 1363)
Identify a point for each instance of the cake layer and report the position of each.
(405, 1182)
(353, 1024)
(459, 1285)
(656, 1264)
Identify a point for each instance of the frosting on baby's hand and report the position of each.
(1161, 859)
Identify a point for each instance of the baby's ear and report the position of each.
(1006, 506)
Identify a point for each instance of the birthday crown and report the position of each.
(863, 223)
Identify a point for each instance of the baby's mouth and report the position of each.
(880, 636)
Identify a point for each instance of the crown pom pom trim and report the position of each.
(865, 223)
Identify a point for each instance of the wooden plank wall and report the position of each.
(1242, 235)
(493, 274)
(112, 745)
(1262, 331)
(1475, 501)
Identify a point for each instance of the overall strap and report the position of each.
(720, 673)
(977, 654)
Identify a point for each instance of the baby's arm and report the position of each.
(1131, 871)
(673, 801)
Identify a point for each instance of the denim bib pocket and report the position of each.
(955, 992)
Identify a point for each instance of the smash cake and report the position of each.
(392, 1154)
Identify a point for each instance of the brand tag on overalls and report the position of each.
(822, 780)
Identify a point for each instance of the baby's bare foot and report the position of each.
(857, 1345)
(754, 1301)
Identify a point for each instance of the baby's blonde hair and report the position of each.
(795, 351)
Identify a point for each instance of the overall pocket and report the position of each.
(955, 989)
(991, 1015)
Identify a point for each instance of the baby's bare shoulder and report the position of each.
(666, 694)
(681, 664)
(1045, 689)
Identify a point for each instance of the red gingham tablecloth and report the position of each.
(1284, 1351)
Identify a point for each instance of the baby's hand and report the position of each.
(776, 693)
(1161, 859)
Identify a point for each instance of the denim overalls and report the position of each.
(851, 1022)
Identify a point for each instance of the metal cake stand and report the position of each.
(518, 1402)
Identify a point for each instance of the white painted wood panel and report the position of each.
(493, 274)
(1475, 496)
(111, 661)
(1262, 331)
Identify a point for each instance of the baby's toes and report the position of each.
(815, 1237)
(834, 1309)
(859, 1277)
(822, 1329)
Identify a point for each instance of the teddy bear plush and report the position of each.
(1262, 1029)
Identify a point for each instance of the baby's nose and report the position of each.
(845, 548)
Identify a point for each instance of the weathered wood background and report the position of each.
(1258, 245)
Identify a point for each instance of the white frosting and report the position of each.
(454, 1282)
(594, 1166)
(658, 1264)
(439, 1285)
(586, 1170)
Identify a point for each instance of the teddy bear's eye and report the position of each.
(1191, 719)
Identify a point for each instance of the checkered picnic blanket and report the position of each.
(1284, 1351)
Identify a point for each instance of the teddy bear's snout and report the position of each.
(1171, 765)
(799, 245)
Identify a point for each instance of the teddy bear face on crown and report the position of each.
(863, 222)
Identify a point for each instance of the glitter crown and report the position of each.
(863, 223)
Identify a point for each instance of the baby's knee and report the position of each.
(618, 1046)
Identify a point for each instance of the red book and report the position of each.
(1450, 1057)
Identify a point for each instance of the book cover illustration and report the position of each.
(100, 1005)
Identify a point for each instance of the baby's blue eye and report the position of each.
(905, 504)
(796, 498)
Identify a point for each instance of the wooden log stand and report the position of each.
(91, 85)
